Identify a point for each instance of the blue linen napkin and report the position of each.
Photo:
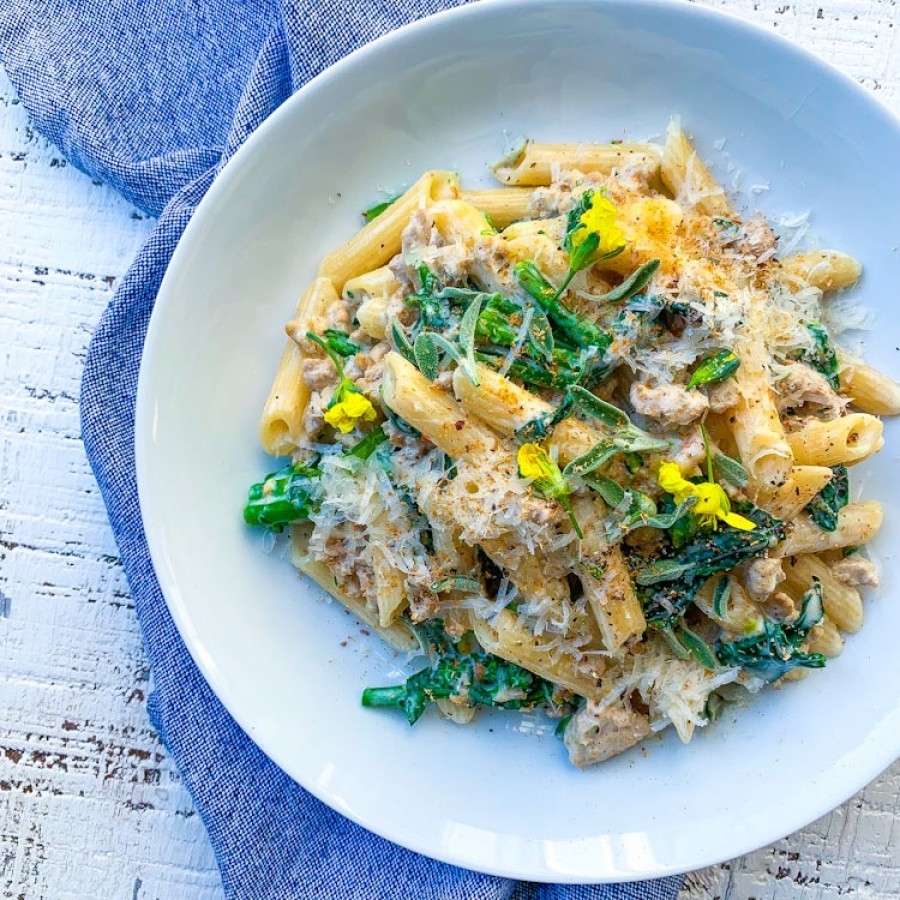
(153, 97)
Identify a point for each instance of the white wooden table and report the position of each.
(90, 804)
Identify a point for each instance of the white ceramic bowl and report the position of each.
(499, 796)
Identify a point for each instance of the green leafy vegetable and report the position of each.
(290, 494)
(373, 212)
(715, 368)
(668, 584)
(566, 369)
(697, 647)
(282, 497)
(822, 357)
(475, 677)
(774, 652)
(824, 508)
(633, 284)
(340, 342)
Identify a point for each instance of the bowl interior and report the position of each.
(450, 93)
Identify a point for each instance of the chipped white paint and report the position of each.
(90, 804)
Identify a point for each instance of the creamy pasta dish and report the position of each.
(583, 440)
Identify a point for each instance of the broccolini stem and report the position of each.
(384, 696)
(582, 331)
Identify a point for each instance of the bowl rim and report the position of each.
(144, 413)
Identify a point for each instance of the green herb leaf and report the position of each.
(401, 341)
(597, 456)
(340, 342)
(426, 355)
(633, 284)
(698, 648)
(721, 596)
(715, 368)
(373, 212)
(467, 339)
(730, 470)
(825, 507)
(457, 583)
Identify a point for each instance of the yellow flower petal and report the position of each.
(534, 462)
(538, 466)
(600, 217)
(351, 407)
(712, 506)
(672, 482)
(737, 521)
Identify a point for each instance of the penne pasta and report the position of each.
(843, 604)
(397, 635)
(375, 244)
(502, 206)
(758, 432)
(848, 439)
(869, 390)
(432, 412)
(535, 164)
(827, 270)
(788, 500)
(857, 524)
(685, 175)
(508, 640)
(281, 424)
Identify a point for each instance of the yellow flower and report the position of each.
(600, 218)
(348, 407)
(712, 503)
(539, 467)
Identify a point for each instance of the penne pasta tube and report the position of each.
(432, 411)
(510, 641)
(848, 439)
(535, 163)
(373, 291)
(868, 389)
(788, 500)
(397, 635)
(685, 175)
(826, 639)
(281, 424)
(375, 243)
(827, 270)
(503, 206)
(390, 585)
(459, 222)
(741, 614)
(857, 524)
(506, 407)
(758, 432)
(843, 603)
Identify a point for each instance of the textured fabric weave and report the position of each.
(153, 96)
